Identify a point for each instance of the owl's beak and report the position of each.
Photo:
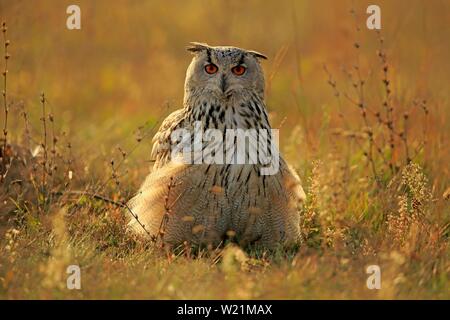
(223, 83)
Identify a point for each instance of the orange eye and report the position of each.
(238, 70)
(211, 68)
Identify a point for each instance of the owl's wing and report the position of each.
(162, 142)
(266, 208)
(294, 182)
(182, 202)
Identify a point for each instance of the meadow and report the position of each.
(364, 118)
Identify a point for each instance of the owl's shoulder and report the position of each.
(161, 140)
(171, 122)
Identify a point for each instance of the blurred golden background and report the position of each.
(127, 63)
(129, 58)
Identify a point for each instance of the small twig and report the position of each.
(167, 212)
(26, 127)
(104, 199)
(91, 195)
(361, 104)
(116, 167)
(387, 102)
(5, 102)
(44, 147)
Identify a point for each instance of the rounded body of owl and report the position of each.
(218, 174)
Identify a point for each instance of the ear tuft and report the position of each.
(195, 47)
(257, 55)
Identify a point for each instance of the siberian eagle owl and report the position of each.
(211, 197)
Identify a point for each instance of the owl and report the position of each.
(207, 202)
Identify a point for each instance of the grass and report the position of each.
(364, 118)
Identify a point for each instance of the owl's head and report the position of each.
(224, 72)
